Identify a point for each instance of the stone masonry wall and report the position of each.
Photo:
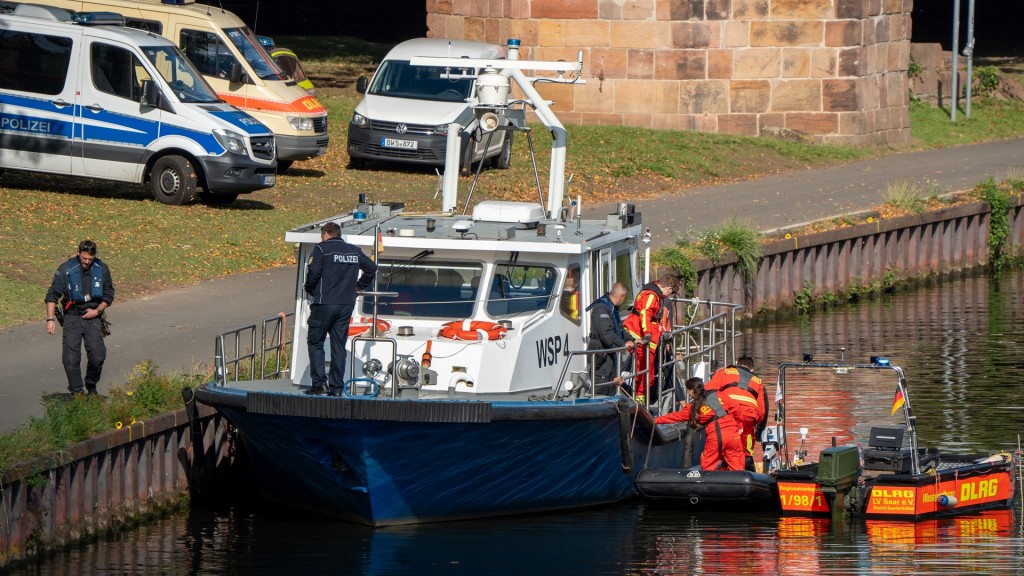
(831, 70)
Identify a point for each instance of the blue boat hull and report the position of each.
(384, 462)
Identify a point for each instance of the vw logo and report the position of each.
(401, 128)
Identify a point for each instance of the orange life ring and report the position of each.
(363, 325)
(472, 330)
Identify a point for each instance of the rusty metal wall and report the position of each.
(106, 481)
(909, 247)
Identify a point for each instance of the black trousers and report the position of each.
(76, 331)
(327, 319)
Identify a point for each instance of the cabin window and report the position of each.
(208, 53)
(426, 289)
(624, 274)
(33, 62)
(569, 303)
(519, 289)
(117, 71)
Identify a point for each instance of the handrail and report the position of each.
(242, 342)
(709, 339)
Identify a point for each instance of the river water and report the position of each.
(961, 344)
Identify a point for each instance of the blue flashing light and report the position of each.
(880, 360)
(265, 41)
(98, 19)
(513, 42)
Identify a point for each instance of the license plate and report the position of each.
(396, 143)
(270, 180)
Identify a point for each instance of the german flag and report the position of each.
(380, 243)
(898, 401)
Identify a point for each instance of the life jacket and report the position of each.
(711, 401)
(75, 287)
(613, 311)
(634, 323)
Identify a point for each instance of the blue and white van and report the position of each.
(84, 98)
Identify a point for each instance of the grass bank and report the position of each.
(151, 247)
(68, 420)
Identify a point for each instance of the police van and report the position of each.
(406, 110)
(232, 60)
(81, 97)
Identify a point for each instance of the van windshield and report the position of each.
(399, 79)
(186, 82)
(261, 62)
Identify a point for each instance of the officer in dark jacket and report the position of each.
(332, 279)
(83, 289)
(606, 332)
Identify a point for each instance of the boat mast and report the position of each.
(484, 102)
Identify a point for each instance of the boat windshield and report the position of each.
(262, 64)
(517, 288)
(399, 79)
(187, 83)
(427, 289)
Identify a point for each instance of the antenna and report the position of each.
(256, 19)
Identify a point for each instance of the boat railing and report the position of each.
(584, 379)
(704, 338)
(238, 353)
(708, 336)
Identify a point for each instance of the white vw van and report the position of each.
(81, 98)
(405, 111)
(227, 53)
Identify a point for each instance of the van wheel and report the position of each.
(173, 180)
(504, 158)
(217, 199)
(283, 166)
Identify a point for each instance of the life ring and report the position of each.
(472, 330)
(363, 325)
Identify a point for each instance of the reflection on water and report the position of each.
(960, 343)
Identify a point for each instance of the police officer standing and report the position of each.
(606, 332)
(332, 279)
(83, 288)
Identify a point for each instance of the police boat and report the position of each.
(468, 392)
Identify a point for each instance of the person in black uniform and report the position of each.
(606, 332)
(332, 279)
(83, 288)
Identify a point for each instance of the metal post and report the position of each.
(956, 48)
(969, 54)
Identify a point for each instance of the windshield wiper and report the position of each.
(403, 268)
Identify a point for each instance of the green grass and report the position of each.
(68, 420)
(990, 120)
(904, 195)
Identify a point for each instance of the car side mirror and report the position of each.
(237, 74)
(361, 84)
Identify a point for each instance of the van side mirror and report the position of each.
(237, 74)
(361, 84)
(151, 95)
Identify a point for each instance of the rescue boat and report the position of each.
(468, 392)
(893, 478)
